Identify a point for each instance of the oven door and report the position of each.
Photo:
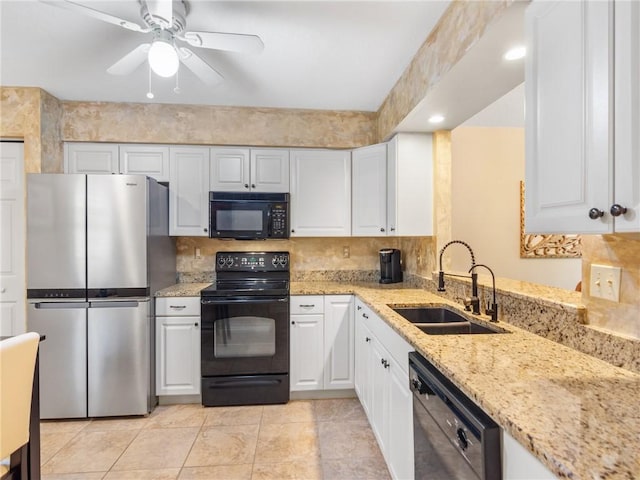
(245, 335)
(239, 219)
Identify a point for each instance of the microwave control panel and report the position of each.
(279, 227)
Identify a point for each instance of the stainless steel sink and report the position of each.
(442, 321)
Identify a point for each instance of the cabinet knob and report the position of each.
(595, 214)
(196, 324)
(293, 231)
(393, 229)
(253, 186)
(206, 230)
(382, 229)
(367, 339)
(365, 315)
(293, 323)
(617, 210)
(359, 307)
(246, 185)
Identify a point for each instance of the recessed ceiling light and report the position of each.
(436, 118)
(516, 53)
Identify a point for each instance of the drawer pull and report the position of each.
(307, 306)
(365, 315)
(178, 307)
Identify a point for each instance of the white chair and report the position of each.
(17, 364)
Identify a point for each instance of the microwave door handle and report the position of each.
(269, 219)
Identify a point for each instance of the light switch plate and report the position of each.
(604, 282)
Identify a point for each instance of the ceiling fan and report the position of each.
(165, 22)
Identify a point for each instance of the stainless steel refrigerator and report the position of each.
(98, 247)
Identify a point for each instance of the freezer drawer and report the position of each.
(118, 336)
(63, 357)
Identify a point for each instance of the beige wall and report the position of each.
(487, 167)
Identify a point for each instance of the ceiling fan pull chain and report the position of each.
(149, 92)
(177, 87)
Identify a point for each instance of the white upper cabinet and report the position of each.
(91, 158)
(320, 193)
(574, 182)
(410, 185)
(270, 170)
(369, 194)
(189, 191)
(230, 170)
(244, 170)
(150, 160)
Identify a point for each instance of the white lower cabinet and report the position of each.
(382, 385)
(321, 345)
(519, 464)
(178, 346)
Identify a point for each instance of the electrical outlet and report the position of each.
(346, 252)
(604, 282)
(196, 253)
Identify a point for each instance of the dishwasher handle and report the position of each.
(57, 305)
(125, 304)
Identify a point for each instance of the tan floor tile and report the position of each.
(222, 472)
(367, 468)
(157, 448)
(347, 440)
(180, 416)
(74, 476)
(339, 409)
(301, 470)
(67, 426)
(110, 424)
(156, 474)
(288, 441)
(250, 415)
(90, 452)
(300, 411)
(225, 445)
(51, 443)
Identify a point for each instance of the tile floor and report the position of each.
(306, 440)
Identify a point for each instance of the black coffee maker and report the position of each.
(390, 266)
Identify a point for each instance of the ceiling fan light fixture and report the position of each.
(163, 57)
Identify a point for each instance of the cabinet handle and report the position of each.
(367, 339)
(292, 322)
(384, 363)
(393, 229)
(595, 214)
(246, 185)
(206, 230)
(293, 231)
(196, 324)
(253, 186)
(359, 307)
(617, 210)
(382, 229)
(178, 307)
(307, 306)
(365, 315)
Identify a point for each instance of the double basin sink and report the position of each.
(442, 321)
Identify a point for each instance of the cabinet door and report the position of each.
(306, 352)
(363, 359)
(369, 194)
(229, 170)
(400, 413)
(410, 184)
(91, 158)
(270, 170)
(379, 417)
(568, 156)
(150, 160)
(320, 193)
(627, 114)
(189, 191)
(178, 355)
(338, 342)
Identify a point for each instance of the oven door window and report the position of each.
(244, 337)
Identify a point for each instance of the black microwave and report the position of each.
(248, 216)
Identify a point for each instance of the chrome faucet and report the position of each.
(492, 308)
(472, 303)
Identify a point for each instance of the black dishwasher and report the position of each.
(453, 437)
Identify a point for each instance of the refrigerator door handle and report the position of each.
(66, 305)
(126, 304)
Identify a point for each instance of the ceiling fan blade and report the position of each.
(130, 61)
(162, 11)
(233, 42)
(90, 12)
(199, 67)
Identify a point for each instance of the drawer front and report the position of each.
(177, 306)
(301, 304)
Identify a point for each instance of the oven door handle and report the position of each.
(222, 301)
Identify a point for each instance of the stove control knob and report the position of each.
(274, 261)
(463, 442)
(230, 261)
(221, 261)
(283, 260)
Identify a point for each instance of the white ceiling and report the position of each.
(344, 55)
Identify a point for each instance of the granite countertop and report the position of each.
(182, 290)
(579, 415)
